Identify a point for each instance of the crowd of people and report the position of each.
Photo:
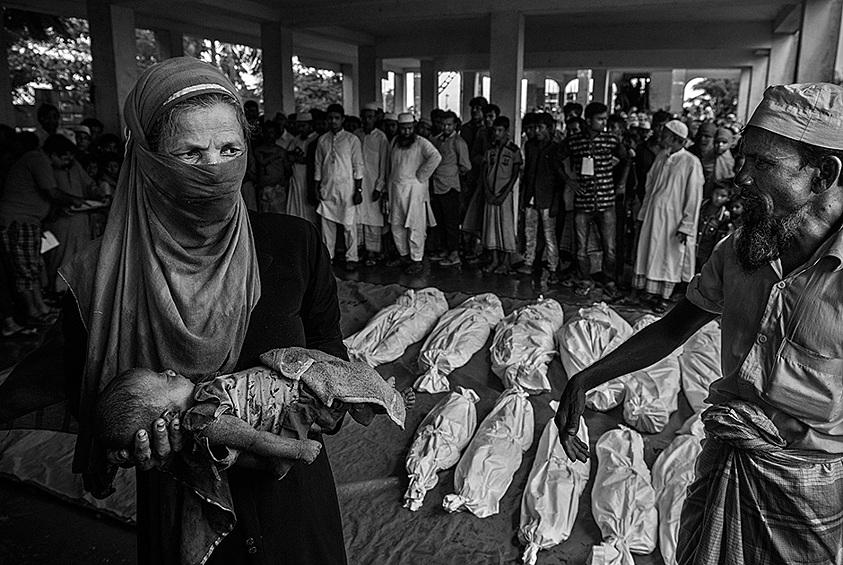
(575, 199)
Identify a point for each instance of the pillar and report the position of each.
(170, 43)
(758, 82)
(7, 110)
(583, 87)
(468, 90)
(819, 41)
(429, 87)
(350, 96)
(113, 53)
(743, 94)
(368, 75)
(661, 86)
(612, 82)
(506, 65)
(399, 96)
(277, 47)
(783, 54)
(601, 83)
(678, 78)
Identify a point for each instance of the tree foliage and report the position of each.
(316, 88)
(722, 95)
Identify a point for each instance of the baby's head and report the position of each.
(136, 398)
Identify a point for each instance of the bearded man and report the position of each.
(412, 161)
(769, 480)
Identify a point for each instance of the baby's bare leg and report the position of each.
(233, 432)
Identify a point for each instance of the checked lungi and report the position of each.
(755, 501)
(22, 242)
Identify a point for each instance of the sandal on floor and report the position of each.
(21, 331)
(44, 320)
(583, 290)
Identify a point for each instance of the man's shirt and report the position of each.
(599, 193)
(455, 162)
(782, 339)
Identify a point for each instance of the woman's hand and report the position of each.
(571, 407)
(166, 442)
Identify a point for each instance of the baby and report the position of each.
(266, 410)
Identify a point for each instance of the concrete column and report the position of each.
(113, 53)
(584, 87)
(758, 82)
(400, 94)
(783, 53)
(661, 86)
(613, 80)
(601, 83)
(429, 85)
(170, 43)
(350, 94)
(819, 41)
(468, 89)
(368, 75)
(506, 66)
(743, 94)
(7, 110)
(678, 78)
(277, 47)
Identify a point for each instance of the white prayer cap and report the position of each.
(811, 113)
(406, 118)
(304, 117)
(390, 117)
(372, 106)
(82, 129)
(678, 128)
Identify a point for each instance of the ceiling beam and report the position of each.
(789, 19)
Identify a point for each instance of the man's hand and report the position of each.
(571, 407)
(166, 442)
(578, 188)
(683, 237)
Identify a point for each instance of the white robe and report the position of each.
(671, 204)
(409, 173)
(375, 158)
(339, 162)
(297, 204)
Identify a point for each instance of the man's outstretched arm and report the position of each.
(645, 348)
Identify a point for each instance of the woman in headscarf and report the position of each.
(185, 278)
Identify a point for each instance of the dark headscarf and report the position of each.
(174, 279)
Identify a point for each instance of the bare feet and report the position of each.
(409, 396)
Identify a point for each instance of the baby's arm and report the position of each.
(231, 431)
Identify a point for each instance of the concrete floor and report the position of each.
(40, 529)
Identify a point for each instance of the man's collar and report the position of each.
(835, 248)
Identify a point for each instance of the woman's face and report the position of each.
(206, 136)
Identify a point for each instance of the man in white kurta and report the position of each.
(412, 161)
(375, 159)
(338, 174)
(668, 216)
(297, 204)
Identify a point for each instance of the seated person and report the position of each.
(267, 410)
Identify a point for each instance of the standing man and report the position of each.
(769, 480)
(588, 167)
(339, 183)
(375, 149)
(412, 161)
(667, 244)
(297, 200)
(455, 163)
(542, 182)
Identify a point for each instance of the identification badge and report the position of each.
(587, 167)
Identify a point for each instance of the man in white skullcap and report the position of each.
(668, 218)
(769, 480)
(412, 161)
(375, 148)
(389, 125)
(297, 201)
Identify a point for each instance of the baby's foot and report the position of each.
(309, 450)
(409, 396)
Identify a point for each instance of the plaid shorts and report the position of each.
(23, 244)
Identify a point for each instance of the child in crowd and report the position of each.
(713, 224)
(266, 410)
(736, 205)
(501, 166)
(272, 170)
(109, 172)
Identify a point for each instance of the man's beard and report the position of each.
(405, 141)
(763, 238)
